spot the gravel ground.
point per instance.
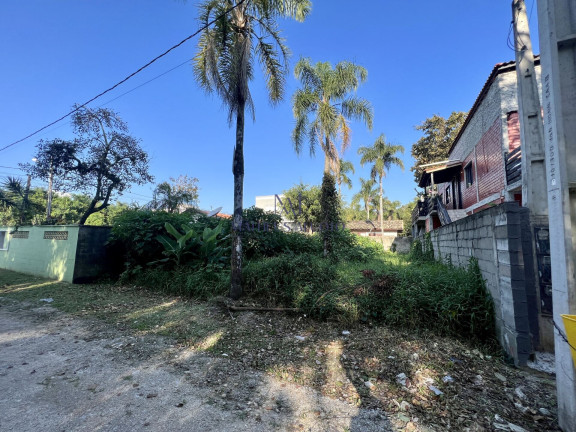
(58, 373)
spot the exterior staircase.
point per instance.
(457, 214)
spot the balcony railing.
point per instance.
(513, 161)
(420, 210)
(431, 206)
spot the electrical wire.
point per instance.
(204, 27)
(147, 82)
(562, 335)
(7, 167)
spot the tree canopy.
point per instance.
(343, 170)
(301, 203)
(439, 134)
(382, 156)
(324, 106)
(101, 161)
(368, 194)
(173, 197)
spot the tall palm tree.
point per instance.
(243, 31)
(323, 108)
(366, 194)
(343, 169)
(382, 156)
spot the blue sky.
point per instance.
(422, 57)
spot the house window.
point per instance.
(469, 174)
(3, 240)
(448, 195)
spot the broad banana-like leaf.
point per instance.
(173, 231)
(169, 245)
(184, 239)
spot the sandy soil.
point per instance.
(59, 373)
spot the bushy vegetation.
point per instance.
(356, 283)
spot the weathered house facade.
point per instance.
(484, 163)
(472, 208)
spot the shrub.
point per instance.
(422, 250)
(201, 283)
(134, 234)
(444, 298)
(200, 249)
(289, 280)
(448, 299)
(350, 247)
(263, 237)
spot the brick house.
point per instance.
(484, 163)
(472, 207)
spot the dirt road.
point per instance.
(59, 373)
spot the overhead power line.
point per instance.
(204, 27)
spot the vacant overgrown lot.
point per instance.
(361, 367)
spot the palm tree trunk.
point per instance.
(238, 171)
(326, 164)
(25, 203)
(381, 213)
(367, 210)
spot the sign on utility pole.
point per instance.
(557, 25)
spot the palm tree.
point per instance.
(382, 156)
(14, 195)
(344, 168)
(323, 108)
(366, 194)
(243, 31)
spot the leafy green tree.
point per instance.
(224, 65)
(367, 193)
(68, 208)
(353, 212)
(302, 204)
(323, 108)
(405, 213)
(439, 134)
(343, 170)
(103, 160)
(382, 156)
(173, 197)
(107, 216)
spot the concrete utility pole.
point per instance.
(534, 193)
(557, 22)
(49, 204)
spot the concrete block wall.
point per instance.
(70, 253)
(498, 238)
(39, 251)
(91, 253)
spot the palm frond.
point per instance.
(358, 109)
(299, 133)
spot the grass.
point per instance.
(128, 307)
